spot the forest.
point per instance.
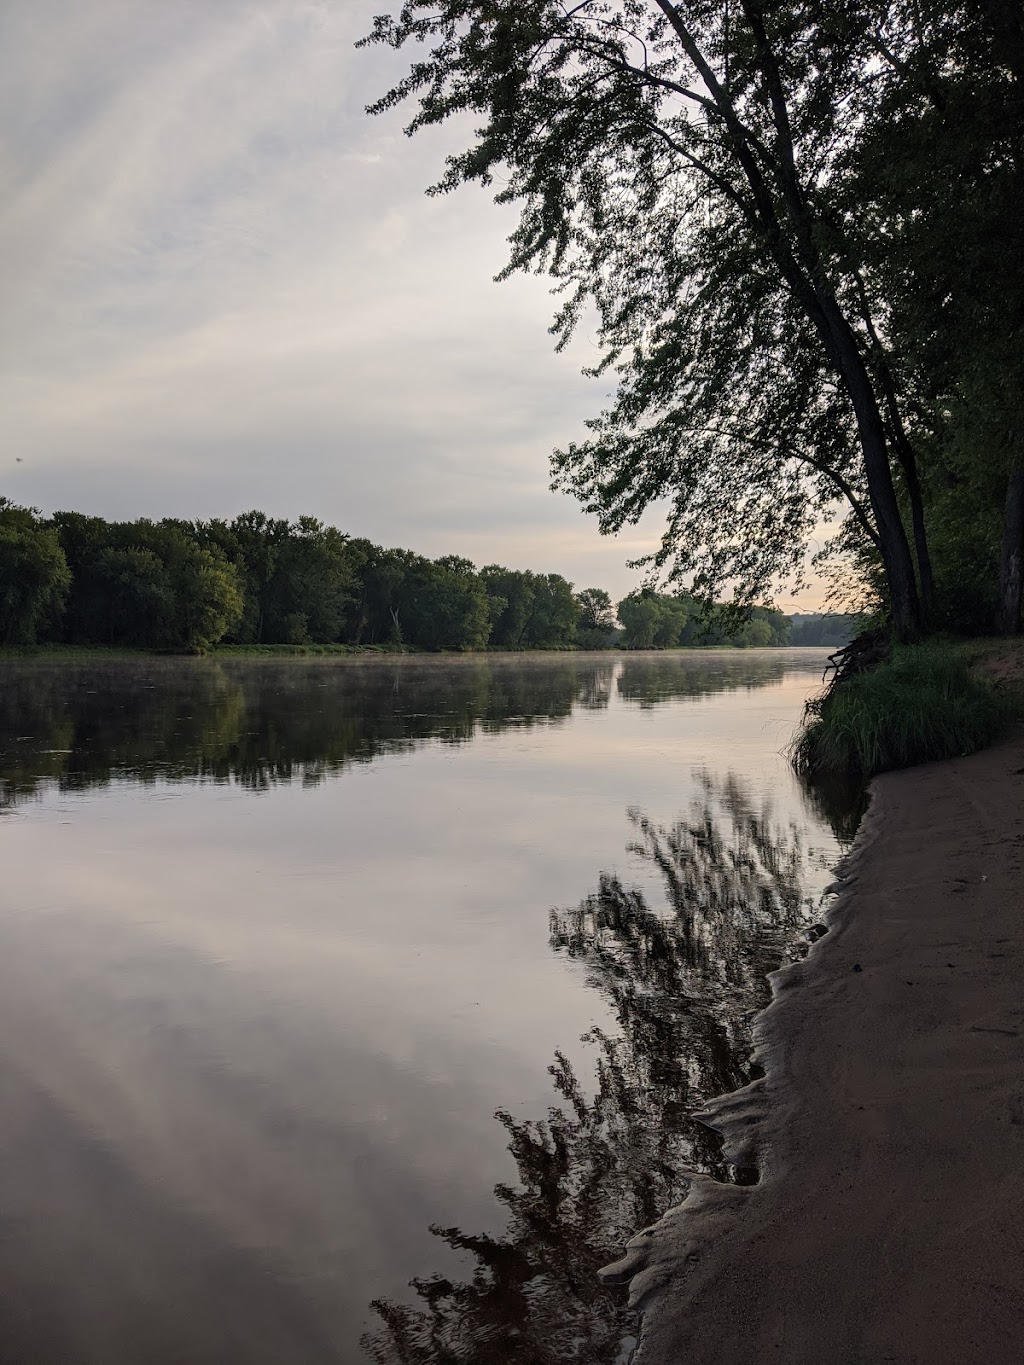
(259, 581)
(793, 235)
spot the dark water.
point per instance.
(321, 978)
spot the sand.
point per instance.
(888, 1223)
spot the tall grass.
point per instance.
(923, 703)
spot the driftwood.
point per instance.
(861, 655)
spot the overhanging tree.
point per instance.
(680, 168)
(936, 200)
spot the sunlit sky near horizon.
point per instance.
(225, 288)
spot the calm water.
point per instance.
(354, 1010)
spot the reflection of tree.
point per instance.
(683, 981)
(82, 724)
(78, 725)
(651, 681)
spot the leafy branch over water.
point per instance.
(683, 981)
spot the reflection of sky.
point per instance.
(280, 1024)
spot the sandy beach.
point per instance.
(888, 1222)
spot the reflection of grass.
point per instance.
(840, 800)
(923, 703)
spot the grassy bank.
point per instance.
(925, 702)
(75, 652)
(56, 651)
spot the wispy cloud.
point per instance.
(224, 287)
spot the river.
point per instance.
(354, 1010)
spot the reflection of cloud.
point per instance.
(224, 286)
(252, 1043)
(216, 1026)
(190, 1121)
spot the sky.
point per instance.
(224, 287)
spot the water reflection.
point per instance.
(837, 801)
(264, 722)
(79, 725)
(684, 978)
(258, 1042)
(651, 679)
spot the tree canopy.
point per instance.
(255, 581)
(721, 183)
(34, 575)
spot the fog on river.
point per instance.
(354, 1010)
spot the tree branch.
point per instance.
(842, 484)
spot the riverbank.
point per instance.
(889, 1127)
(51, 653)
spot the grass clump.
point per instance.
(922, 704)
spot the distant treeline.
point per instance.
(187, 586)
(812, 629)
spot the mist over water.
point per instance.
(355, 1010)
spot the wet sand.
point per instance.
(888, 1223)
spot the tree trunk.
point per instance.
(908, 463)
(1011, 568)
(790, 237)
(899, 566)
(905, 455)
(924, 560)
(892, 537)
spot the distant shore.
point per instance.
(889, 1126)
(72, 652)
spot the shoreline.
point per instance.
(888, 1127)
(57, 653)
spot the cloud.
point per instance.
(226, 287)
